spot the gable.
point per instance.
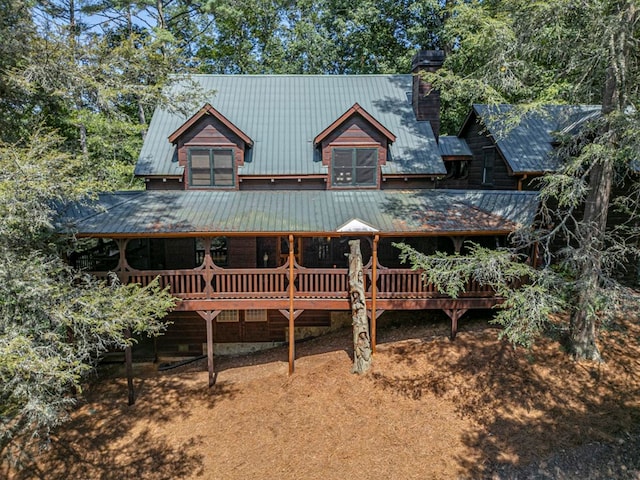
(526, 142)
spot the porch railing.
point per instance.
(331, 283)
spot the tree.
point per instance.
(534, 53)
(54, 322)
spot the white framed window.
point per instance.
(255, 315)
(228, 316)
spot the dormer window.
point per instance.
(354, 167)
(211, 167)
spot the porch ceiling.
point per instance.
(429, 212)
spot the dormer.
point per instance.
(353, 147)
(210, 148)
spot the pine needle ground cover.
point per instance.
(429, 408)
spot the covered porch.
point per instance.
(266, 264)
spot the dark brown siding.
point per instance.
(309, 318)
(242, 252)
(209, 132)
(284, 184)
(354, 132)
(395, 183)
(160, 184)
(184, 337)
(477, 141)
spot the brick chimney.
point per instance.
(426, 100)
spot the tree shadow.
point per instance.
(529, 405)
(84, 447)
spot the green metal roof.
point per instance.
(527, 142)
(284, 113)
(452, 146)
(157, 213)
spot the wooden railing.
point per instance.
(332, 283)
(404, 283)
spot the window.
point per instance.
(211, 167)
(228, 316)
(354, 167)
(255, 316)
(219, 251)
(488, 164)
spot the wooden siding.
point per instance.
(277, 183)
(210, 132)
(477, 142)
(163, 184)
(242, 252)
(402, 183)
(184, 336)
(355, 132)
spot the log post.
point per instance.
(361, 337)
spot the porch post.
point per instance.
(292, 336)
(374, 293)
(209, 322)
(208, 317)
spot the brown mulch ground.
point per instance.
(429, 409)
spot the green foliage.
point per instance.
(54, 322)
(530, 295)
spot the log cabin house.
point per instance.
(250, 202)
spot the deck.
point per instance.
(214, 288)
(291, 289)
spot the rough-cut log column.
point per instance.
(361, 338)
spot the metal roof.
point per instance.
(157, 213)
(526, 141)
(284, 113)
(452, 146)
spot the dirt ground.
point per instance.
(429, 409)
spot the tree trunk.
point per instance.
(582, 327)
(361, 337)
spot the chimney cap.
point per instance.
(428, 58)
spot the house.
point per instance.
(251, 200)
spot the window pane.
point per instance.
(342, 157)
(365, 175)
(366, 157)
(342, 176)
(223, 168)
(200, 168)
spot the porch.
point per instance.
(292, 289)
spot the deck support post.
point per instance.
(454, 314)
(374, 292)
(208, 317)
(292, 333)
(128, 360)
